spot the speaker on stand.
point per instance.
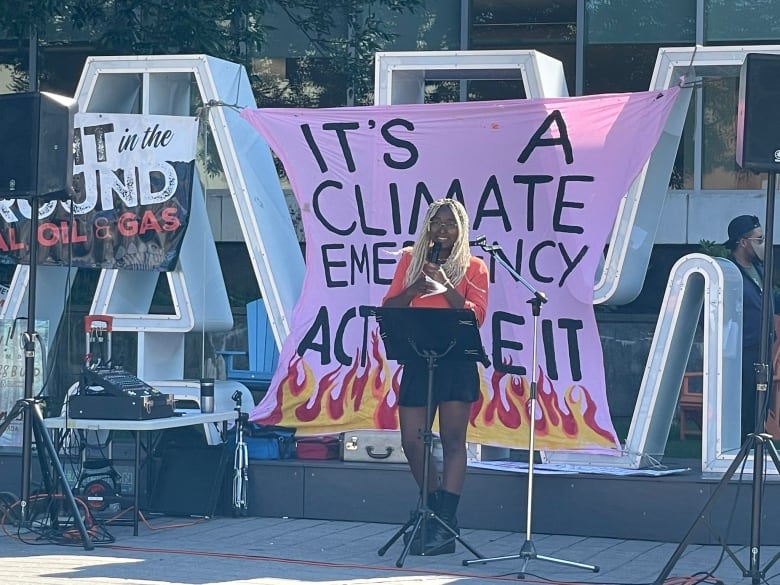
(758, 149)
(758, 124)
(36, 154)
(36, 163)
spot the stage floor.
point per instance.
(583, 504)
(625, 507)
(276, 551)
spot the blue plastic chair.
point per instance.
(262, 352)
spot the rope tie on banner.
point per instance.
(203, 112)
(689, 79)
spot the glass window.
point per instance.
(730, 21)
(683, 170)
(618, 68)
(552, 19)
(441, 91)
(549, 26)
(662, 22)
(498, 89)
(13, 75)
(7, 78)
(238, 273)
(310, 82)
(61, 69)
(720, 96)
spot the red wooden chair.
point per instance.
(690, 404)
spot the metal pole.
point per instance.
(528, 549)
(757, 440)
(32, 57)
(29, 341)
(763, 381)
(29, 359)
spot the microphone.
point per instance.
(481, 241)
(433, 256)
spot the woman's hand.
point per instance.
(432, 280)
(418, 288)
(436, 272)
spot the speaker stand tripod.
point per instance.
(431, 335)
(528, 549)
(30, 409)
(757, 441)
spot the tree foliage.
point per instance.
(344, 32)
(348, 33)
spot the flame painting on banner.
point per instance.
(542, 178)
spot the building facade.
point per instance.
(607, 46)
(604, 45)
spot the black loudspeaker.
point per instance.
(758, 125)
(36, 150)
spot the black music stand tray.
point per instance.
(431, 335)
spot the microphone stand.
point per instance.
(528, 550)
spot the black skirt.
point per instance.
(452, 381)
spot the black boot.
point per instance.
(433, 506)
(441, 541)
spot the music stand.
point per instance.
(431, 335)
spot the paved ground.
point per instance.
(272, 551)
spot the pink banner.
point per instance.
(541, 178)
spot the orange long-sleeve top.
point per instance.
(473, 287)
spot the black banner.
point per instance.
(133, 178)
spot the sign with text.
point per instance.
(542, 179)
(132, 181)
(12, 373)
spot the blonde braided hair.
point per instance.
(457, 264)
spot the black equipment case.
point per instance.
(120, 407)
(112, 393)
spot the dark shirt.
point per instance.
(751, 308)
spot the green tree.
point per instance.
(344, 34)
(347, 33)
